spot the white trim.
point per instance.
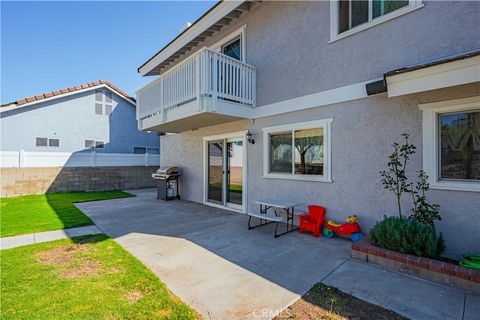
(242, 32)
(327, 161)
(443, 75)
(229, 135)
(238, 135)
(222, 9)
(15, 106)
(341, 94)
(335, 35)
(430, 141)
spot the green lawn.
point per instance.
(89, 277)
(233, 187)
(36, 213)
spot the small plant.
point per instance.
(423, 211)
(395, 179)
(407, 236)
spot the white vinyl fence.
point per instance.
(19, 159)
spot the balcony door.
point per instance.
(225, 171)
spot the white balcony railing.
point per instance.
(205, 74)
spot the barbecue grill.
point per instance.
(167, 183)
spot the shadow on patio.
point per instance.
(203, 253)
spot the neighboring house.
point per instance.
(96, 117)
(325, 89)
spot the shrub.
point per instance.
(423, 211)
(407, 236)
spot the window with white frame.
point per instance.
(233, 45)
(451, 134)
(298, 151)
(94, 144)
(350, 16)
(47, 142)
(103, 102)
(143, 150)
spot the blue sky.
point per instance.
(48, 46)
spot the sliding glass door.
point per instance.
(234, 173)
(215, 171)
(225, 172)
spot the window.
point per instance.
(143, 150)
(98, 108)
(299, 151)
(98, 95)
(41, 142)
(89, 144)
(350, 16)
(451, 144)
(233, 48)
(233, 45)
(94, 144)
(459, 145)
(100, 103)
(139, 150)
(53, 142)
(46, 142)
(153, 150)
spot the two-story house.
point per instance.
(303, 101)
(81, 138)
(96, 116)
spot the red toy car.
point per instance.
(351, 228)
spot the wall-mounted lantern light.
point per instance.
(250, 138)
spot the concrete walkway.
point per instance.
(208, 258)
(31, 238)
(409, 296)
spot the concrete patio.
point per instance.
(208, 258)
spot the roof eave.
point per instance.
(213, 15)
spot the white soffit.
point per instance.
(190, 34)
(439, 76)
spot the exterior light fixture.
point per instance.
(250, 138)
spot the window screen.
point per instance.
(53, 142)
(233, 49)
(98, 108)
(381, 7)
(359, 12)
(99, 144)
(352, 13)
(459, 145)
(108, 109)
(89, 143)
(281, 152)
(41, 142)
(153, 150)
(139, 150)
(98, 95)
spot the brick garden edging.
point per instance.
(430, 269)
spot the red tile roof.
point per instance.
(67, 90)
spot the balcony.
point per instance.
(207, 88)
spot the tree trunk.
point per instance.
(302, 161)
